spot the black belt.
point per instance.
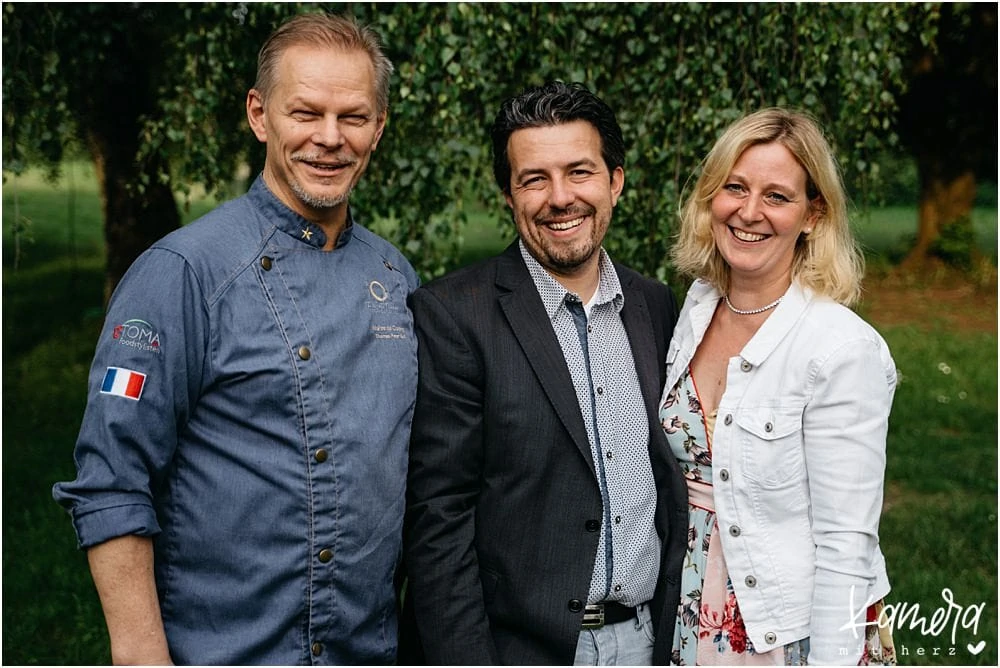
(596, 615)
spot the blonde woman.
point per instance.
(776, 405)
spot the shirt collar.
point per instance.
(278, 214)
(554, 295)
(703, 298)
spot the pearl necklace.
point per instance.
(752, 311)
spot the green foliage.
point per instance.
(676, 74)
(898, 182)
(956, 244)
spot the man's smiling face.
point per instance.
(562, 194)
(321, 124)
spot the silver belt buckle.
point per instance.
(593, 616)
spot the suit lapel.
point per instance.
(641, 338)
(639, 327)
(519, 300)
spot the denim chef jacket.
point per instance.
(267, 449)
(798, 458)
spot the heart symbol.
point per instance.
(976, 649)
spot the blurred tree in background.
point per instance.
(948, 123)
(156, 93)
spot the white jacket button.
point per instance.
(770, 638)
(745, 366)
(750, 581)
(728, 420)
(734, 531)
(724, 475)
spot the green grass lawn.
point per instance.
(939, 526)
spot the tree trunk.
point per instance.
(138, 206)
(948, 121)
(944, 200)
(133, 221)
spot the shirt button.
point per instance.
(325, 555)
(745, 366)
(590, 329)
(321, 455)
(608, 454)
(729, 419)
(592, 526)
(317, 649)
(618, 519)
(750, 581)
(724, 475)
(618, 588)
(770, 638)
(600, 391)
(265, 262)
(305, 353)
(735, 531)
(575, 605)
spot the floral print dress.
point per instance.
(709, 630)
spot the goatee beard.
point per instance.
(319, 202)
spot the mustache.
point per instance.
(342, 159)
(576, 211)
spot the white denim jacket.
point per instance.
(798, 459)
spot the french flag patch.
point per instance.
(123, 383)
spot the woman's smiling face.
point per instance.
(759, 213)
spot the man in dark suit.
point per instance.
(546, 519)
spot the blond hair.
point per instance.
(828, 259)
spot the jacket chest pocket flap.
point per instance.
(771, 442)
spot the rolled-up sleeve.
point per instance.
(148, 367)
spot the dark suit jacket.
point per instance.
(499, 535)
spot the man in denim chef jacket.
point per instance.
(242, 459)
